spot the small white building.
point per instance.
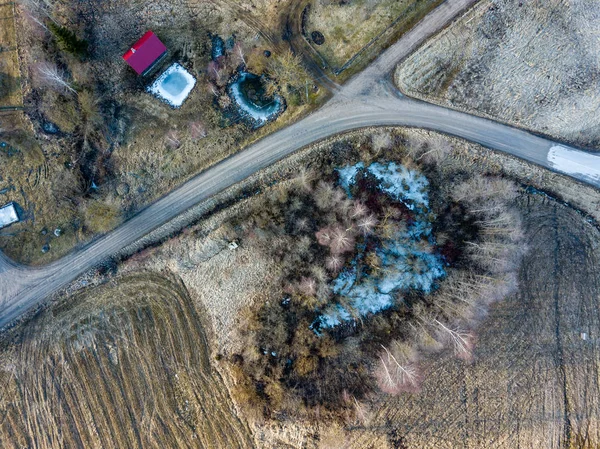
(8, 215)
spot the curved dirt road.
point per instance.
(367, 100)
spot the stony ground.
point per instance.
(532, 64)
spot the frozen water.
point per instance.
(8, 215)
(260, 114)
(174, 85)
(348, 176)
(576, 163)
(408, 259)
(401, 183)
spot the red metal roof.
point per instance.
(144, 52)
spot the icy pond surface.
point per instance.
(247, 91)
(408, 259)
(174, 85)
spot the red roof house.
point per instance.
(145, 53)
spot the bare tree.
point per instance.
(172, 139)
(239, 53)
(51, 75)
(42, 7)
(334, 263)
(308, 286)
(460, 340)
(305, 179)
(394, 377)
(358, 210)
(381, 140)
(367, 224)
(342, 240)
(198, 130)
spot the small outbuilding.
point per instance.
(8, 215)
(145, 54)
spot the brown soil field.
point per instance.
(121, 365)
(531, 64)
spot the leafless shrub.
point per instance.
(172, 139)
(52, 76)
(395, 373)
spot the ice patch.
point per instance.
(408, 260)
(260, 114)
(401, 183)
(8, 215)
(576, 163)
(173, 86)
(344, 282)
(348, 176)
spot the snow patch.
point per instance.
(348, 176)
(402, 184)
(260, 114)
(408, 259)
(575, 163)
(8, 215)
(173, 86)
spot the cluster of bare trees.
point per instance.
(287, 73)
(313, 229)
(492, 260)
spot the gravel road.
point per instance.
(368, 99)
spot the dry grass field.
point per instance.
(116, 148)
(115, 364)
(38, 181)
(10, 75)
(534, 379)
(350, 26)
(533, 64)
(121, 365)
